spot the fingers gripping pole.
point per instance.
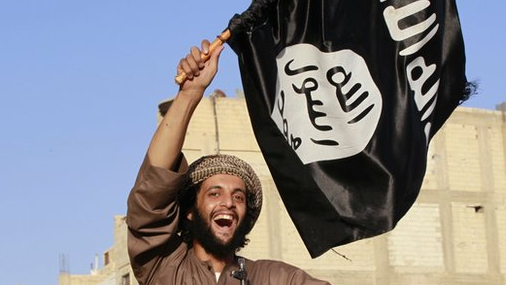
(181, 77)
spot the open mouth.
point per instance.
(224, 220)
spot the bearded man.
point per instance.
(186, 223)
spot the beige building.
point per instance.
(454, 234)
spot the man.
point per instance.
(187, 223)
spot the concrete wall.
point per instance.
(454, 234)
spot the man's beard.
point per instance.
(201, 231)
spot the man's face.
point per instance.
(221, 207)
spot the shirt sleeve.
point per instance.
(153, 217)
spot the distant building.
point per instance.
(454, 234)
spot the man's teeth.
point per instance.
(223, 217)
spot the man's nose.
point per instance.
(227, 200)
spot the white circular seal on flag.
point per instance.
(327, 105)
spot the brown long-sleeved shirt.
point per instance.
(159, 256)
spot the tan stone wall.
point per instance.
(454, 234)
(67, 279)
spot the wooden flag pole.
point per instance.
(181, 77)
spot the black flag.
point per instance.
(344, 97)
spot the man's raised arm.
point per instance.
(153, 216)
(167, 142)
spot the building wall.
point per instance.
(453, 234)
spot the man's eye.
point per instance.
(239, 198)
(214, 194)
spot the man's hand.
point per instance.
(199, 73)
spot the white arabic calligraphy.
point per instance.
(327, 104)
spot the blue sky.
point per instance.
(79, 86)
